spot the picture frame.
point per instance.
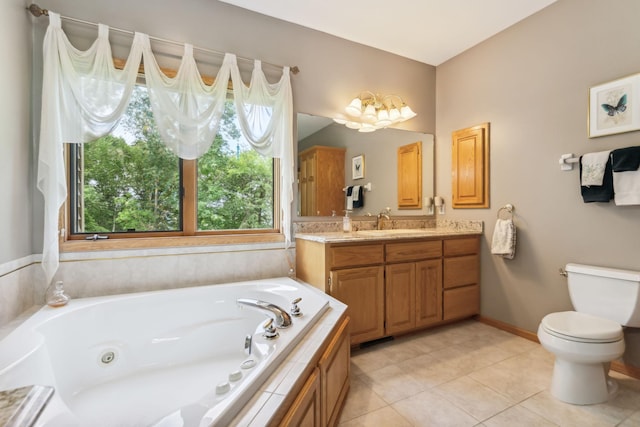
(357, 167)
(614, 107)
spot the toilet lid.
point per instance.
(582, 327)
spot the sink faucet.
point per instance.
(281, 318)
(383, 214)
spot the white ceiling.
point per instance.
(429, 31)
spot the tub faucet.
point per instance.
(281, 317)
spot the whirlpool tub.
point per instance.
(165, 358)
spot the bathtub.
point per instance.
(163, 358)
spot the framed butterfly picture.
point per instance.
(614, 107)
(357, 167)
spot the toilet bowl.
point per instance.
(584, 346)
(587, 340)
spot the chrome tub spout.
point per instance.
(281, 317)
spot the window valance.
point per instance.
(84, 96)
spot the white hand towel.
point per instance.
(626, 186)
(349, 198)
(504, 239)
(356, 193)
(593, 165)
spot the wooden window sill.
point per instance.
(167, 242)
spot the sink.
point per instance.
(395, 232)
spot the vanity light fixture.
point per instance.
(369, 112)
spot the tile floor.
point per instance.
(469, 374)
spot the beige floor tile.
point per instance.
(567, 415)
(401, 350)
(386, 416)
(392, 383)
(632, 421)
(516, 387)
(428, 371)
(430, 409)
(517, 344)
(360, 401)
(470, 374)
(518, 416)
(368, 360)
(474, 398)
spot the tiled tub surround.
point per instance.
(268, 399)
(90, 274)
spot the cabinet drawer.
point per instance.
(465, 246)
(411, 251)
(353, 256)
(460, 271)
(461, 302)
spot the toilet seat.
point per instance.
(581, 327)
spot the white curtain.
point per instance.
(84, 96)
(265, 113)
(187, 111)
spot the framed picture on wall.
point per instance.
(614, 107)
(357, 167)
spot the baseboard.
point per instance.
(508, 328)
(617, 366)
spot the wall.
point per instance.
(332, 72)
(531, 83)
(15, 149)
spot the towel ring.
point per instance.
(509, 208)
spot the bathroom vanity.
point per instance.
(394, 281)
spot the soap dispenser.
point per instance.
(55, 295)
(346, 222)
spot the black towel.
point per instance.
(360, 202)
(598, 193)
(625, 159)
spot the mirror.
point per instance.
(379, 161)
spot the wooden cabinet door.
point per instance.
(400, 297)
(470, 167)
(334, 374)
(330, 181)
(306, 409)
(362, 289)
(307, 184)
(410, 176)
(428, 292)
(461, 271)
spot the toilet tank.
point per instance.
(605, 292)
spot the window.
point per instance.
(128, 184)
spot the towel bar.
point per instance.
(566, 161)
(366, 187)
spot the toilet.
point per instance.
(586, 340)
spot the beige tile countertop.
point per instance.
(368, 235)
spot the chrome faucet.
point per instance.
(281, 317)
(383, 214)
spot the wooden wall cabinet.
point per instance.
(410, 176)
(321, 181)
(470, 167)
